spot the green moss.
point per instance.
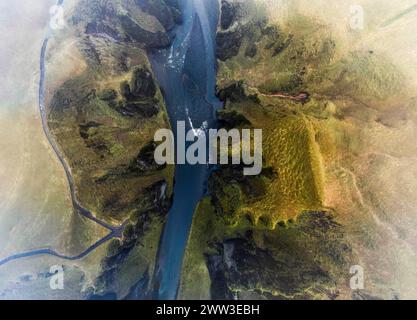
(284, 82)
(310, 253)
(100, 142)
(140, 263)
(284, 222)
(195, 280)
(108, 95)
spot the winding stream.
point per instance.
(115, 231)
(186, 73)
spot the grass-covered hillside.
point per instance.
(325, 106)
(104, 118)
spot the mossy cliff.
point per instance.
(104, 121)
(280, 235)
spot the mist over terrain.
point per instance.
(332, 84)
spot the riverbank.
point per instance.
(192, 58)
(327, 198)
(64, 61)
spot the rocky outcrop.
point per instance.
(228, 44)
(142, 109)
(232, 119)
(228, 14)
(153, 208)
(166, 11)
(235, 27)
(244, 268)
(138, 95)
(143, 84)
(145, 161)
(151, 40)
(106, 19)
(236, 92)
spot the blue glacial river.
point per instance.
(186, 73)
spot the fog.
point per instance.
(32, 184)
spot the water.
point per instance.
(186, 73)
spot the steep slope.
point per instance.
(104, 116)
(325, 107)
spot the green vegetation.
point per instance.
(298, 260)
(104, 121)
(275, 236)
(100, 141)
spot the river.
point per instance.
(186, 73)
